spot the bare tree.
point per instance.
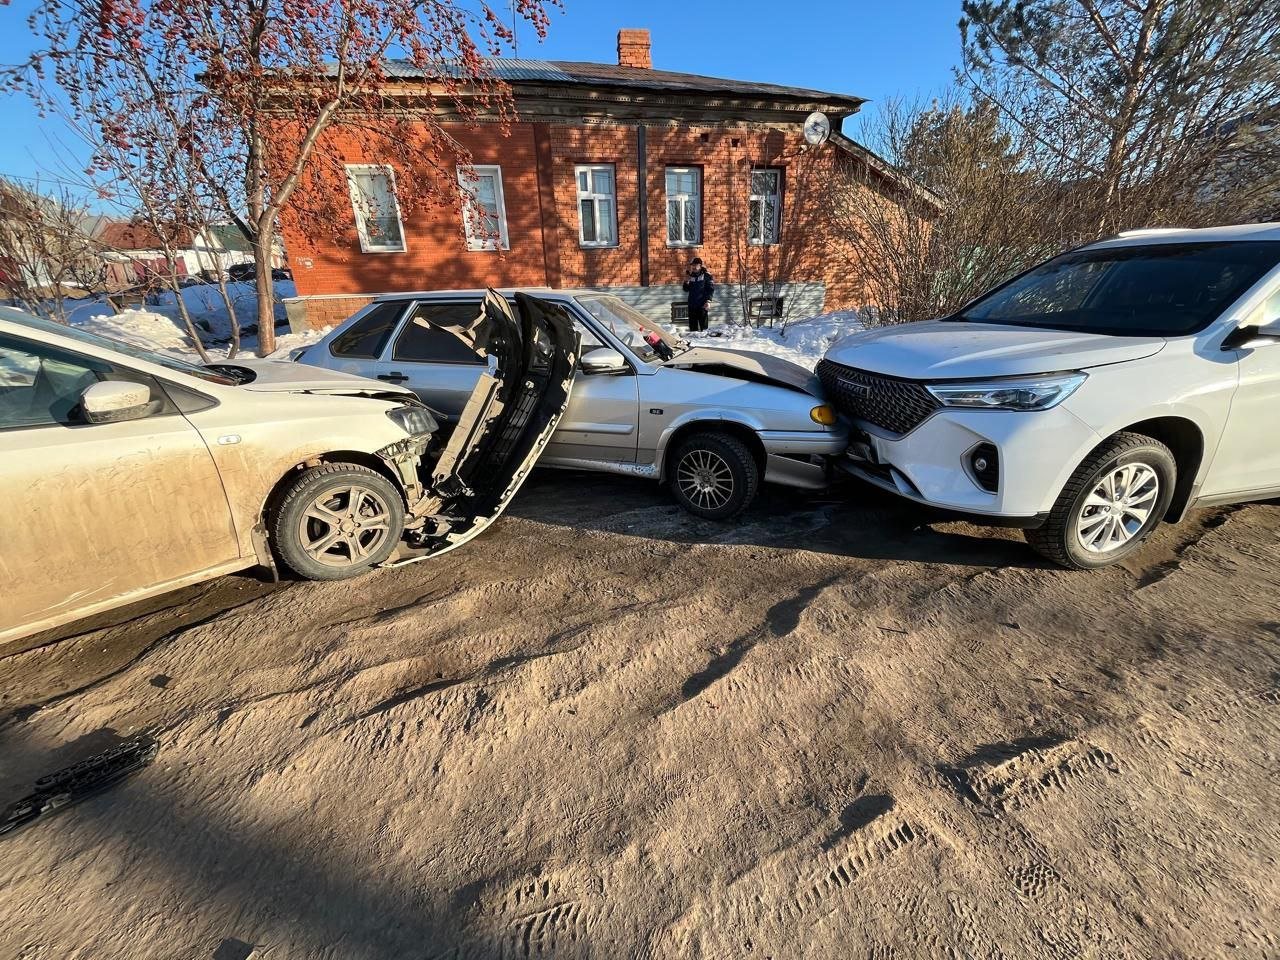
(962, 208)
(46, 254)
(257, 93)
(1139, 104)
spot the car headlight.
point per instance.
(413, 420)
(1009, 393)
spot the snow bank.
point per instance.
(801, 341)
(159, 326)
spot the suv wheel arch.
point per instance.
(1185, 441)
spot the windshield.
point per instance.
(630, 326)
(1161, 290)
(166, 360)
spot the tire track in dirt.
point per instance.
(1000, 780)
(779, 620)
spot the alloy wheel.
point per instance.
(705, 478)
(344, 527)
(1118, 507)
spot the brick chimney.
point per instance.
(633, 49)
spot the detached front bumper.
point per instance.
(802, 458)
(1037, 451)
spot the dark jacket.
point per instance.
(700, 290)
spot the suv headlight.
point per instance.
(1009, 393)
(413, 420)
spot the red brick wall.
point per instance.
(436, 255)
(437, 258)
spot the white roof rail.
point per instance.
(1145, 231)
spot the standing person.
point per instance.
(700, 290)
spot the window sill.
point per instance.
(364, 249)
(597, 246)
(488, 248)
(683, 246)
(763, 243)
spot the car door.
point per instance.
(440, 366)
(601, 420)
(1247, 462)
(95, 512)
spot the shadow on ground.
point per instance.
(193, 847)
(850, 519)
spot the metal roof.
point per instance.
(573, 73)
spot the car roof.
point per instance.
(480, 292)
(1150, 235)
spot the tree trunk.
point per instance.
(266, 295)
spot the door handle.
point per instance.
(393, 377)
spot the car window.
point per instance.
(41, 384)
(367, 336)
(425, 338)
(589, 340)
(1142, 290)
(633, 328)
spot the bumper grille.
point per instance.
(896, 405)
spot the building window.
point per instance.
(684, 206)
(765, 206)
(597, 206)
(373, 200)
(484, 210)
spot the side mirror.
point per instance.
(1252, 335)
(110, 401)
(603, 360)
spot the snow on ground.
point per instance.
(801, 341)
(158, 325)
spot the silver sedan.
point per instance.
(713, 423)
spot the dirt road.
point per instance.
(606, 729)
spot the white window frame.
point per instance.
(684, 199)
(771, 237)
(608, 200)
(467, 174)
(372, 244)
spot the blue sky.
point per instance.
(875, 50)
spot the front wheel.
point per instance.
(1110, 505)
(714, 475)
(336, 521)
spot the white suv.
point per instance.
(1086, 400)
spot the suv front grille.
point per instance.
(896, 405)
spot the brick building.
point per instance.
(613, 177)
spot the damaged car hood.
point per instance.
(260, 375)
(748, 365)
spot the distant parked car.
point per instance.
(127, 473)
(1086, 400)
(712, 422)
(247, 273)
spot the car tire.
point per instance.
(1108, 506)
(714, 475)
(336, 521)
